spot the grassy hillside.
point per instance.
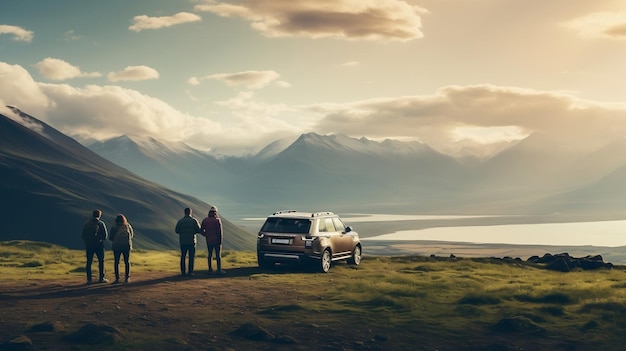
(386, 303)
(51, 183)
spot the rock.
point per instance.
(19, 343)
(254, 332)
(94, 334)
(517, 324)
(563, 262)
(46, 327)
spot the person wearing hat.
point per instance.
(211, 228)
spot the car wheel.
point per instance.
(325, 261)
(356, 256)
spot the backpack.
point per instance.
(122, 237)
(90, 233)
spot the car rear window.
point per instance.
(286, 225)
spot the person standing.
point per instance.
(187, 228)
(122, 238)
(211, 229)
(94, 235)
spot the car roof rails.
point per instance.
(317, 214)
(284, 211)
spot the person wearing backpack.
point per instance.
(122, 238)
(94, 235)
(211, 229)
(187, 228)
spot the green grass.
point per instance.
(437, 297)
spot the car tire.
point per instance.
(325, 261)
(355, 259)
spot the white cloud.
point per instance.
(18, 89)
(248, 79)
(193, 81)
(343, 19)
(105, 111)
(283, 84)
(482, 114)
(610, 25)
(350, 64)
(57, 69)
(134, 73)
(19, 34)
(70, 35)
(99, 112)
(145, 22)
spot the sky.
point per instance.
(232, 76)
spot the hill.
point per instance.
(51, 183)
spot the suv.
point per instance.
(320, 238)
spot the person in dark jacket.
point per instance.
(211, 229)
(187, 228)
(94, 235)
(122, 237)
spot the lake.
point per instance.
(600, 233)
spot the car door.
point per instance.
(342, 240)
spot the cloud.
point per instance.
(20, 90)
(57, 69)
(70, 35)
(610, 25)
(450, 118)
(283, 84)
(248, 79)
(350, 64)
(381, 20)
(478, 114)
(19, 34)
(105, 111)
(145, 22)
(99, 112)
(134, 73)
(193, 81)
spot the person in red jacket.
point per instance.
(211, 228)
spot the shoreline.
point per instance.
(615, 255)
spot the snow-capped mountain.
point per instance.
(322, 171)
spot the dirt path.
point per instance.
(174, 312)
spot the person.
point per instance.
(94, 235)
(187, 228)
(122, 237)
(211, 229)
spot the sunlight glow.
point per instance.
(488, 135)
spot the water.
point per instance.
(602, 233)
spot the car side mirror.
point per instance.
(348, 229)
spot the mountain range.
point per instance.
(533, 176)
(51, 183)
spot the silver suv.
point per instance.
(320, 238)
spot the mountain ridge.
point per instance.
(532, 175)
(52, 183)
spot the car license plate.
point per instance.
(281, 241)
